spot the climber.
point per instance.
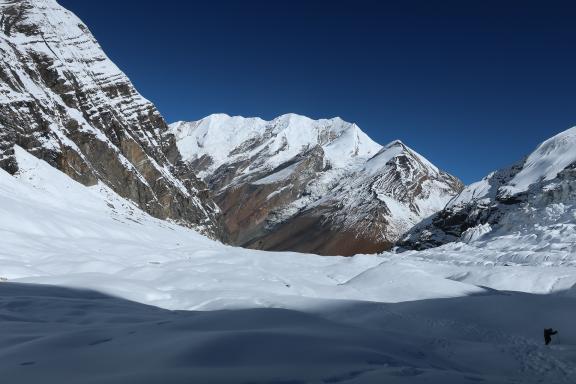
(548, 332)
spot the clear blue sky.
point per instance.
(471, 85)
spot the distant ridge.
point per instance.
(320, 186)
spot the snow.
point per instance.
(265, 345)
(433, 201)
(458, 313)
(227, 139)
(170, 305)
(475, 233)
(477, 191)
(537, 228)
(551, 157)
(64, 335)
(65, 40)
(544, 164)
(525, 213)
(379, 161)
(389, 152)
(357, 179)
(282, 174)
(60, 40)
(400, 212)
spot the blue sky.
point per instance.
(471, 85)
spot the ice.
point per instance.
(475, 233)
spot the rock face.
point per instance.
(320, 186)
(533, 201)
(65, 102)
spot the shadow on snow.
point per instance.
(51, 334)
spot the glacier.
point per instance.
(451, 314)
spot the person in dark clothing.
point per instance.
(548, 332)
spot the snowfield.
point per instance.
(113, 295)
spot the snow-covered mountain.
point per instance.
(240, 315)
(320, 186)
(94, 289)
(533, 202)
(64, 101)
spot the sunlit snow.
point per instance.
(448, 315)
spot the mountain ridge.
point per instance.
(63, 100)
(533, 199)
(324, 186)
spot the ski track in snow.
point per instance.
(455, 314)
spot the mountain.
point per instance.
(320, 186)
(532, 203)
(65, 102)
(84, 275)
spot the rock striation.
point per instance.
(320, 186)
(63, 100)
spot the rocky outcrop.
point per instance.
(311, 186)
(64, 101)
(532, 200)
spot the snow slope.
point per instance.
(528, 206)
(55, 230)
(448, 315)
(545, 163)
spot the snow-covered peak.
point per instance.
(226, 139)
(293, 171)
(394, 149)
(63, 36)
(387, 153)
(394, 143)
(550, 158)
(531, 202)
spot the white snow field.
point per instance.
(96, 291)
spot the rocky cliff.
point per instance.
(64, 101)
